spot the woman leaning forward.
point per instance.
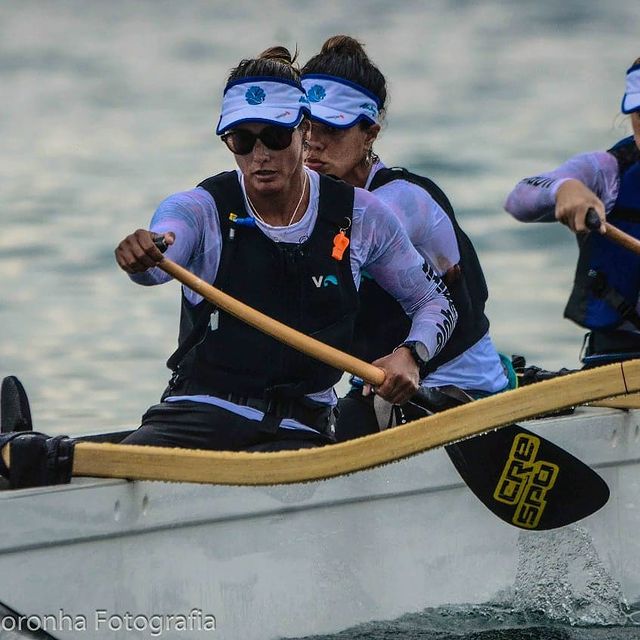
(606, 292)
(348, 95)
(291, 244)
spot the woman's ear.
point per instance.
(305, 128)
(372, 133)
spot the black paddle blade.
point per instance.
(15, 414)
(526, 480)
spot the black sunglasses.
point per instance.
(241, 141)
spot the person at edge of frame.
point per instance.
(606, 292)
(293, 245)
(348, 95)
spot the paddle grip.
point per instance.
(160, 242)
(592, 220)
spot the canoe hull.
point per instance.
(295, 560)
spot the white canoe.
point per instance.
(99, 557)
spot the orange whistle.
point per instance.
(340, 243)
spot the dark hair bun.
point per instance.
(279, 54)
(343, 45)
(275, 61)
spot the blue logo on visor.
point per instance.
(255, 95)
(316, 93)
(371, 108)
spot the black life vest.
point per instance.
(607, 279)
(300, 285)
(382, 323)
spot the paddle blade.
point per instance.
(526, 480)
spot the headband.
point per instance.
(339, 103)
(262, 99)
(631, 98)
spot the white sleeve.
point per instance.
(381, 246)
(533, 199)
(428, 226)
(193, 218)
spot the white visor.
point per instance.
(339, 103)
(262, 99)
(631, 98)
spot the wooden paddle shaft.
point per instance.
(622, 238)
(309, 346)
(613, 233)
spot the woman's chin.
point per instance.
(267, 184)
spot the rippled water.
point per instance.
(562, 591)
(109, 106)
(491, 622)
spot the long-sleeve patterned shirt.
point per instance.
(378, 243)
(534, 199)
(431, 233)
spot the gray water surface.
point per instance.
(107, 107)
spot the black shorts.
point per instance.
(198, 425)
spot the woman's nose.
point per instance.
(260, 150)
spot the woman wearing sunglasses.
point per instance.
(291, 244)
(606, 289)
(347, 95)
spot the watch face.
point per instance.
(418, 351)
(421, 351)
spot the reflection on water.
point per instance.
(108, 107)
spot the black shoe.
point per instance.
(15, 414)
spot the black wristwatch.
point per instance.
(419, 352)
